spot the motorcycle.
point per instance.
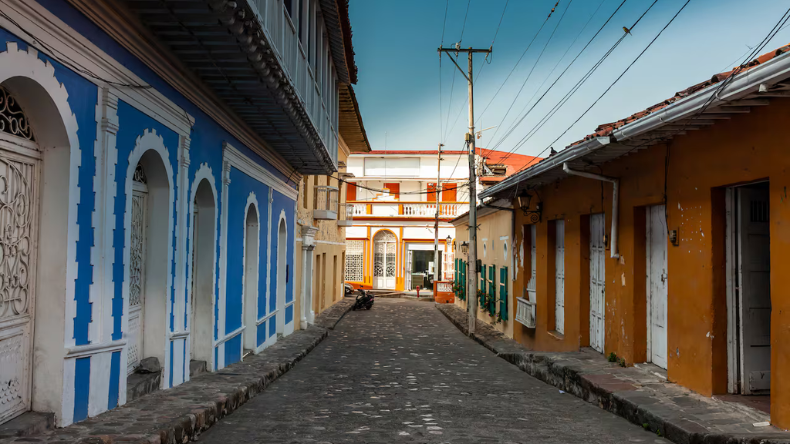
(364, 300)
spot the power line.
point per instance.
(534, 65)
(581, 31)
(572, 91)
(519, 60)
(627, 68)
(465, 17)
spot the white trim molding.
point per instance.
(256, 171)
(61, 38)
(148, 141)
(203, 173)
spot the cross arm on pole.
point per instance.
(450, 50)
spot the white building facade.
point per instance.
(390, 244)
(149, 186)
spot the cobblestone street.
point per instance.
(403, 373)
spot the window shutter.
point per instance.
(492, 290)
(482, 287)
(503, 296)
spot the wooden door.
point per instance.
(657, 285)
(394, 190)
(597, 282)
(431, 193)
(755, 284)
(559, 277)
(449, 192)
(19, 199)
(533, 265)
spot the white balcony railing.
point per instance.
(321, 105)
(325, 203)
(346, 215)
(410, 209)
(525, 312)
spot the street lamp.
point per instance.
(464, 247)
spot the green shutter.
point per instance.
(463, 280)
(482, 286)
(503, 296)
(492, 290)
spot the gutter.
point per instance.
(744, 84)
(557, 160)
(615, 201)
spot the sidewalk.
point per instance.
(180, 414)
(640, 394)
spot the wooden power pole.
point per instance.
(436, 276)
(471, 279)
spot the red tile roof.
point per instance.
(513, 162)
(607, 129)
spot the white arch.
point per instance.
(252, 201)
(148, 141)
(281, 304)
(203, 173)
(51, 391)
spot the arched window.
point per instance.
(251, 233)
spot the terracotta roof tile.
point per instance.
(607, 129)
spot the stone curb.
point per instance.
(561, 374)
(182, 413)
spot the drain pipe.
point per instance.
(615, 201)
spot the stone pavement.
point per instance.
(400, 373)
(180, 414)
(640, 394)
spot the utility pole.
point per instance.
(436, 276)
(471, 279)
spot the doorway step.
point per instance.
(147, 378)
(640, 394)
(27, 424)
(197, 367)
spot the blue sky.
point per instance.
(399, 69)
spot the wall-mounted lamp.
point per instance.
(448, 243)
(524, 202)
(464, 247)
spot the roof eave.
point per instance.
(547, 164)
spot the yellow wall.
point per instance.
(330, 243)
(492, 227)
(747, 148)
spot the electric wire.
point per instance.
(528, 164)
(534, 65)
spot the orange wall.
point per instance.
(747, 148)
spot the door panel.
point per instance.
(449, 192)
(657, 283)
(755, 284)
(597, 282)
(559, 269)
(19, 200)
(137, 277)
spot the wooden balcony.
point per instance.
(408, 210)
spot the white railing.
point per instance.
(325, 203)
(409, 209)
(525, 312)
(282, 32)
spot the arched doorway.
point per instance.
(203, 252)
(148, 241)
(251, 246)
(384, 259)
(19, 218)
(282, 251)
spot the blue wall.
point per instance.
(241, 185)
(207, 138)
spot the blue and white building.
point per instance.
(150, 153)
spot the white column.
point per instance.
(180, 323)
(223, 263)
(308, 245)
(103, 220)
